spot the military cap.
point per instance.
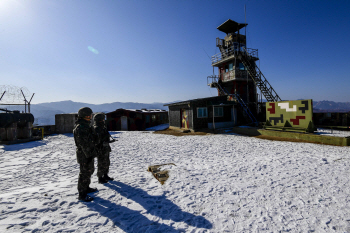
(85, 111)
(99, 116)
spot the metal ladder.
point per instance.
(258, 77)
(237, 97)
(246, 109)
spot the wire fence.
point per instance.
(13, 95)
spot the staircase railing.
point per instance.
(258, 77)
(246, 109)
(215, 83)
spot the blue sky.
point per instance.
(157, 51)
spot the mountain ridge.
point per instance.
(330, 106)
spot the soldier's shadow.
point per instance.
(126, 219)
(114, 133)
(159, 206)
(24, 145)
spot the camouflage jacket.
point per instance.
(103, 136)
(85, 140)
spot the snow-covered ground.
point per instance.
(330, 132)
(158, 127)
(221, 183)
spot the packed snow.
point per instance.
(331, 132)
(219, 183)
(158, 127)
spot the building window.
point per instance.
(230, 66)
(153, 118)
(241, 66)
(218, 111)
(147, 119)
(202, 112)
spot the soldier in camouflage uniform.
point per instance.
(86, 151)
(103, 141)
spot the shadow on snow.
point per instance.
(24, 145)
(126, 219)
(159, 206)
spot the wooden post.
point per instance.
(213, 118)
(5, 91)
(25, 102)
(29, 102)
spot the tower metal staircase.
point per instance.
(222, 91)
(258, 77)
(246, 109)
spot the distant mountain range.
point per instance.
(330, 106)
(44, 113)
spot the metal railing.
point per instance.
(214, 79)
(237, 75)
(258, 77)
(233, 51)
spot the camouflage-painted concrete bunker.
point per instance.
(291, 115)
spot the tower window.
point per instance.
(230, 66)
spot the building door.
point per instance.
(184, 118)
(124, 123)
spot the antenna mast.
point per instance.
(245, 28)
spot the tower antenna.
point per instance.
(245, 28)
(209, 58)
(246, 47)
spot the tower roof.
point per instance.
(231, 26)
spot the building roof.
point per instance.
(73, 113)
(230, 26)
(143, 110)
(212, 99)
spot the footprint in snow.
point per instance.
(45, 223)
(62, 203)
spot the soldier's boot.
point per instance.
(91, 190)
(85, 198)
(102, 180)
(107, 177)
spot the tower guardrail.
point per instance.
(233, 51)
(258, 77)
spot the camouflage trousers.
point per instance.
(86, 171)
(103, 163)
